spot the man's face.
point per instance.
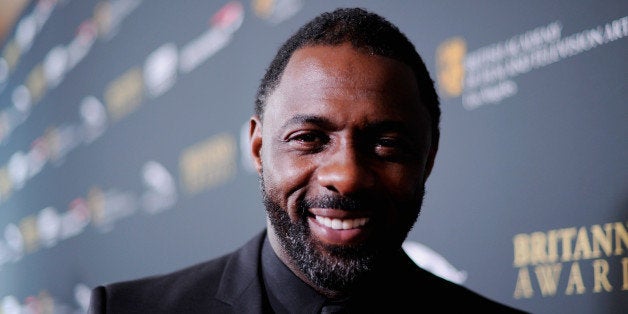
(343, 152)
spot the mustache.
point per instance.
(348, 203)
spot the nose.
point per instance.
(345, 171)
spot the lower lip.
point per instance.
(337, 237)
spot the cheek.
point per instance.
(286, 176)
(401, 182)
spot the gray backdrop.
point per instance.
(121, 142)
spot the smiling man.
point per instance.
(344, 136)
(343, 148)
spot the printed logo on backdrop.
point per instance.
(276, 11)
(487, 75)
(102, 208)
(571, 261)
(203, 165)
(122, 96)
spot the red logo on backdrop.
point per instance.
(228, 15)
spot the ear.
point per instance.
(431, 156)
(255, 142)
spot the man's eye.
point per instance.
(392, 148)
(308, 140)
(388, 142)
(307, 137)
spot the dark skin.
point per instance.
(343, 123)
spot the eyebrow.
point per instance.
(376, 126)
(384, 126)
(302, 119)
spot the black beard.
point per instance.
(338, 267)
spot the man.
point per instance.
(344, 137)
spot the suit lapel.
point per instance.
(241, 285)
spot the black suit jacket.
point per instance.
(232, 284)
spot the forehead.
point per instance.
(344, 65)
(345, 83)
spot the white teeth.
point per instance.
(341, 224)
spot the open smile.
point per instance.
(336, 227)
(342, 224)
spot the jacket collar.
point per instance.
(241, 285)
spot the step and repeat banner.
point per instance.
(123, 144)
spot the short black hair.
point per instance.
(366, 31)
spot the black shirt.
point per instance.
(286, 292)
(400, 286)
